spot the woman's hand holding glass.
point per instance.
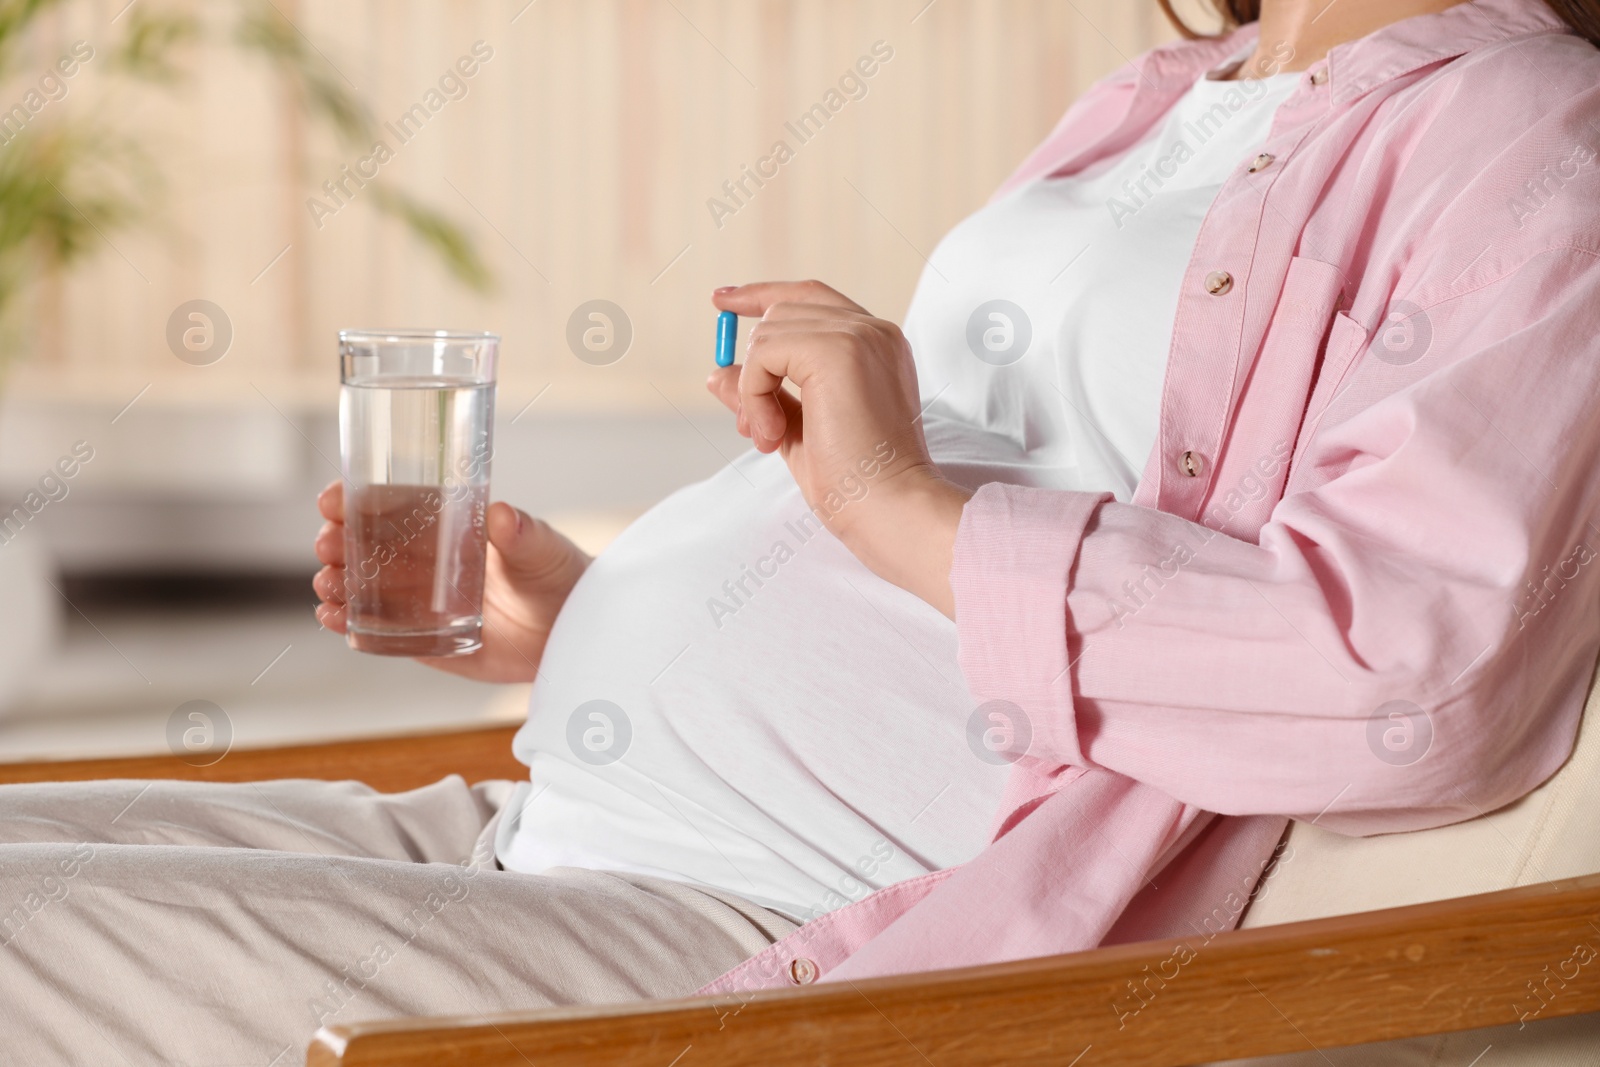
(859, 411)
(530, 570)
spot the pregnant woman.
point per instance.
(1236, 463)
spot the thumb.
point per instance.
(530, 550)
(724, 385)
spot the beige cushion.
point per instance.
(1553, 832)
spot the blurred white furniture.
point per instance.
(30, 611)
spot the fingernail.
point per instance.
(725, 289)
(521, 522)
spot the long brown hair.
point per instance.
(1582, 15)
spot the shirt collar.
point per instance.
(1174, 67)
(1356, 67)
(1411, 44)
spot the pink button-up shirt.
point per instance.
(1355, 585)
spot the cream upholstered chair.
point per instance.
(1353, 940)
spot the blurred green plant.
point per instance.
(57, 197)
(67, 182)
(322, 93)
(146, 48)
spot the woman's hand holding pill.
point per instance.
(529, 572)
(856, 422)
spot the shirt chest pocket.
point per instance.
(1346, 339)
(1273, 396)
(1293, 353)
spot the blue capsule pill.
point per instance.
(727, 337)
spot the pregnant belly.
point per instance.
(730, 698)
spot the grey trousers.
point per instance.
(210, 924)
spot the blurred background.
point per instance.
(536, 156)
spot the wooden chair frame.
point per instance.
(1455, 964)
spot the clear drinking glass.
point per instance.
(416, 419)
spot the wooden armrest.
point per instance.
(1450, 965)
(388, 764)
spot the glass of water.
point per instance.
(416, 421)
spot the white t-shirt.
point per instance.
(730, 698)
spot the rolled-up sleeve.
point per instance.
(1014, 550)
(1407, 642)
